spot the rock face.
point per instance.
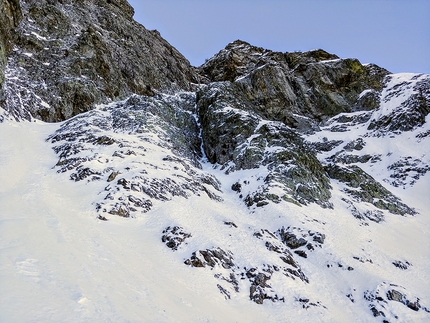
(157, 161)
(249, 141)
(70, 55)
(293, 87)
(412, 106)
(10, 16)
(363, 188)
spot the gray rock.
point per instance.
(280, 86)
(410, 114)
(364, 188)
(145, 121)
(211, 258)
(246, 138)
(10, 16)
(295, 238)
(70, 56)
(407, 171)
(402, 265)
(173, 237)
(381, 298)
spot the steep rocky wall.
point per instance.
(10, 15)
(70, 55)
(289, 86)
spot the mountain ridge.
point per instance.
(295, 181)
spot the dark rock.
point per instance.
(224, 113)
(385, 293)
(83, 173)
(301, 253)
(407, 171)
(257, 292)
(231, 224)
(325, 145)
(262, 203)
(411, 113)
(173, 237)
(291, 240)
(394, 295)
(402, 265)
(120, 210)
(211, 258)
(10, 16)
(363, 187)
(367, 100)
(376, 313)
(163, 120)
(104, 140)
(224, 291)
(291, 267)
(112, 176)
(319, 237)
(281, 86)
(306, 303)
(355, 145)
(124, 183)
(344, 158)
(310, 239)
(414, 305)
(237, 187)
(423, 135)
(69, 56)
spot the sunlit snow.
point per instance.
(59, 263)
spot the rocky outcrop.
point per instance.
(363, 188)
(143, 127)
(145, 149)
(293, 87)
(248, 141)
(69, 56)
(382, 301)
(259, 103)
(229, 272)
(405, 106)
(10, 16)
(173, 237)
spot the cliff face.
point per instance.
(10, 16)
(69, 56)
(296, 88)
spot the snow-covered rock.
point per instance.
(283, 185)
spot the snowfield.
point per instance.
(60, 263)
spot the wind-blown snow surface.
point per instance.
(59, 263)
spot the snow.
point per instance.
(365, 92)
(59, 263)
(38, 36)
(327, 61)
(397, 90)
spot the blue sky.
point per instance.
(394, 34)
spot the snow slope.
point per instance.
(60, 263)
